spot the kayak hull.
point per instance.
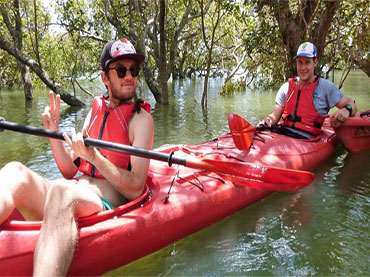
(354, 134)
(176, 203)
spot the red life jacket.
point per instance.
(110, 125)
(299, 110)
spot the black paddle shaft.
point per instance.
(116, 147)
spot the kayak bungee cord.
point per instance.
(194, 175)
(177, 175)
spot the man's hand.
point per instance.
(51, 114)
(77, 144)
(267, 121)
(339, 117)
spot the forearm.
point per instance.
(274, 117)
(128, 183)
(63, 159)
(341, 105)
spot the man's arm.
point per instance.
(274, 116)
(129, 183)
(61, 154)
(342, 114)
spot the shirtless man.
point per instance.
(108, 179)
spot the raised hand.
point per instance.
(51, 113)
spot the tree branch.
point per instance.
(69, 99)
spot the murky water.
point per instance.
(320, 230)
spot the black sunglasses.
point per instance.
(121, 71)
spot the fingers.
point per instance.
(267, 121)
(75, 141)
(78, 147)
(76, 138)
(67, 139)
(57, 104)
(84, 133)
(338, 118)
(263, 123)
(336, 121)
(51, 100)
(46, 110)
(72, 140)
(54, 105)
(46, 117)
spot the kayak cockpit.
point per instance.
(17, 222)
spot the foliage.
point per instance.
(249, 44)
(346, 43)
(9, 76)
(349, 41)
(234, 86)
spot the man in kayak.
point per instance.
(304, 101)
(108, 179)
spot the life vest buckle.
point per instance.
(294, 118)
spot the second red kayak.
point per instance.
(354, 134)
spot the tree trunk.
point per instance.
(136, 12)
(153, 85)
(210, 46)
(205, 86)
(27, 82)
(16, 33)
(180, 70)
(65, 96)
(18, 39)
(364, 65)
(296, 30)
(175, 40)
(162, 52)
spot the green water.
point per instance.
(320, 230)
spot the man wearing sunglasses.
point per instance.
(108, 179)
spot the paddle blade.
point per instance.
(256, 176)
(241, 131)
(264, 177)
(263, 185)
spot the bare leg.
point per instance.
(59, 233)
(24, 189)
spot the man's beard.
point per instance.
(122, 95)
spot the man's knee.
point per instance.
(15, 168)
(59, 197)
(16, 176)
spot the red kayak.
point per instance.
(178, 201)
(354, 134)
